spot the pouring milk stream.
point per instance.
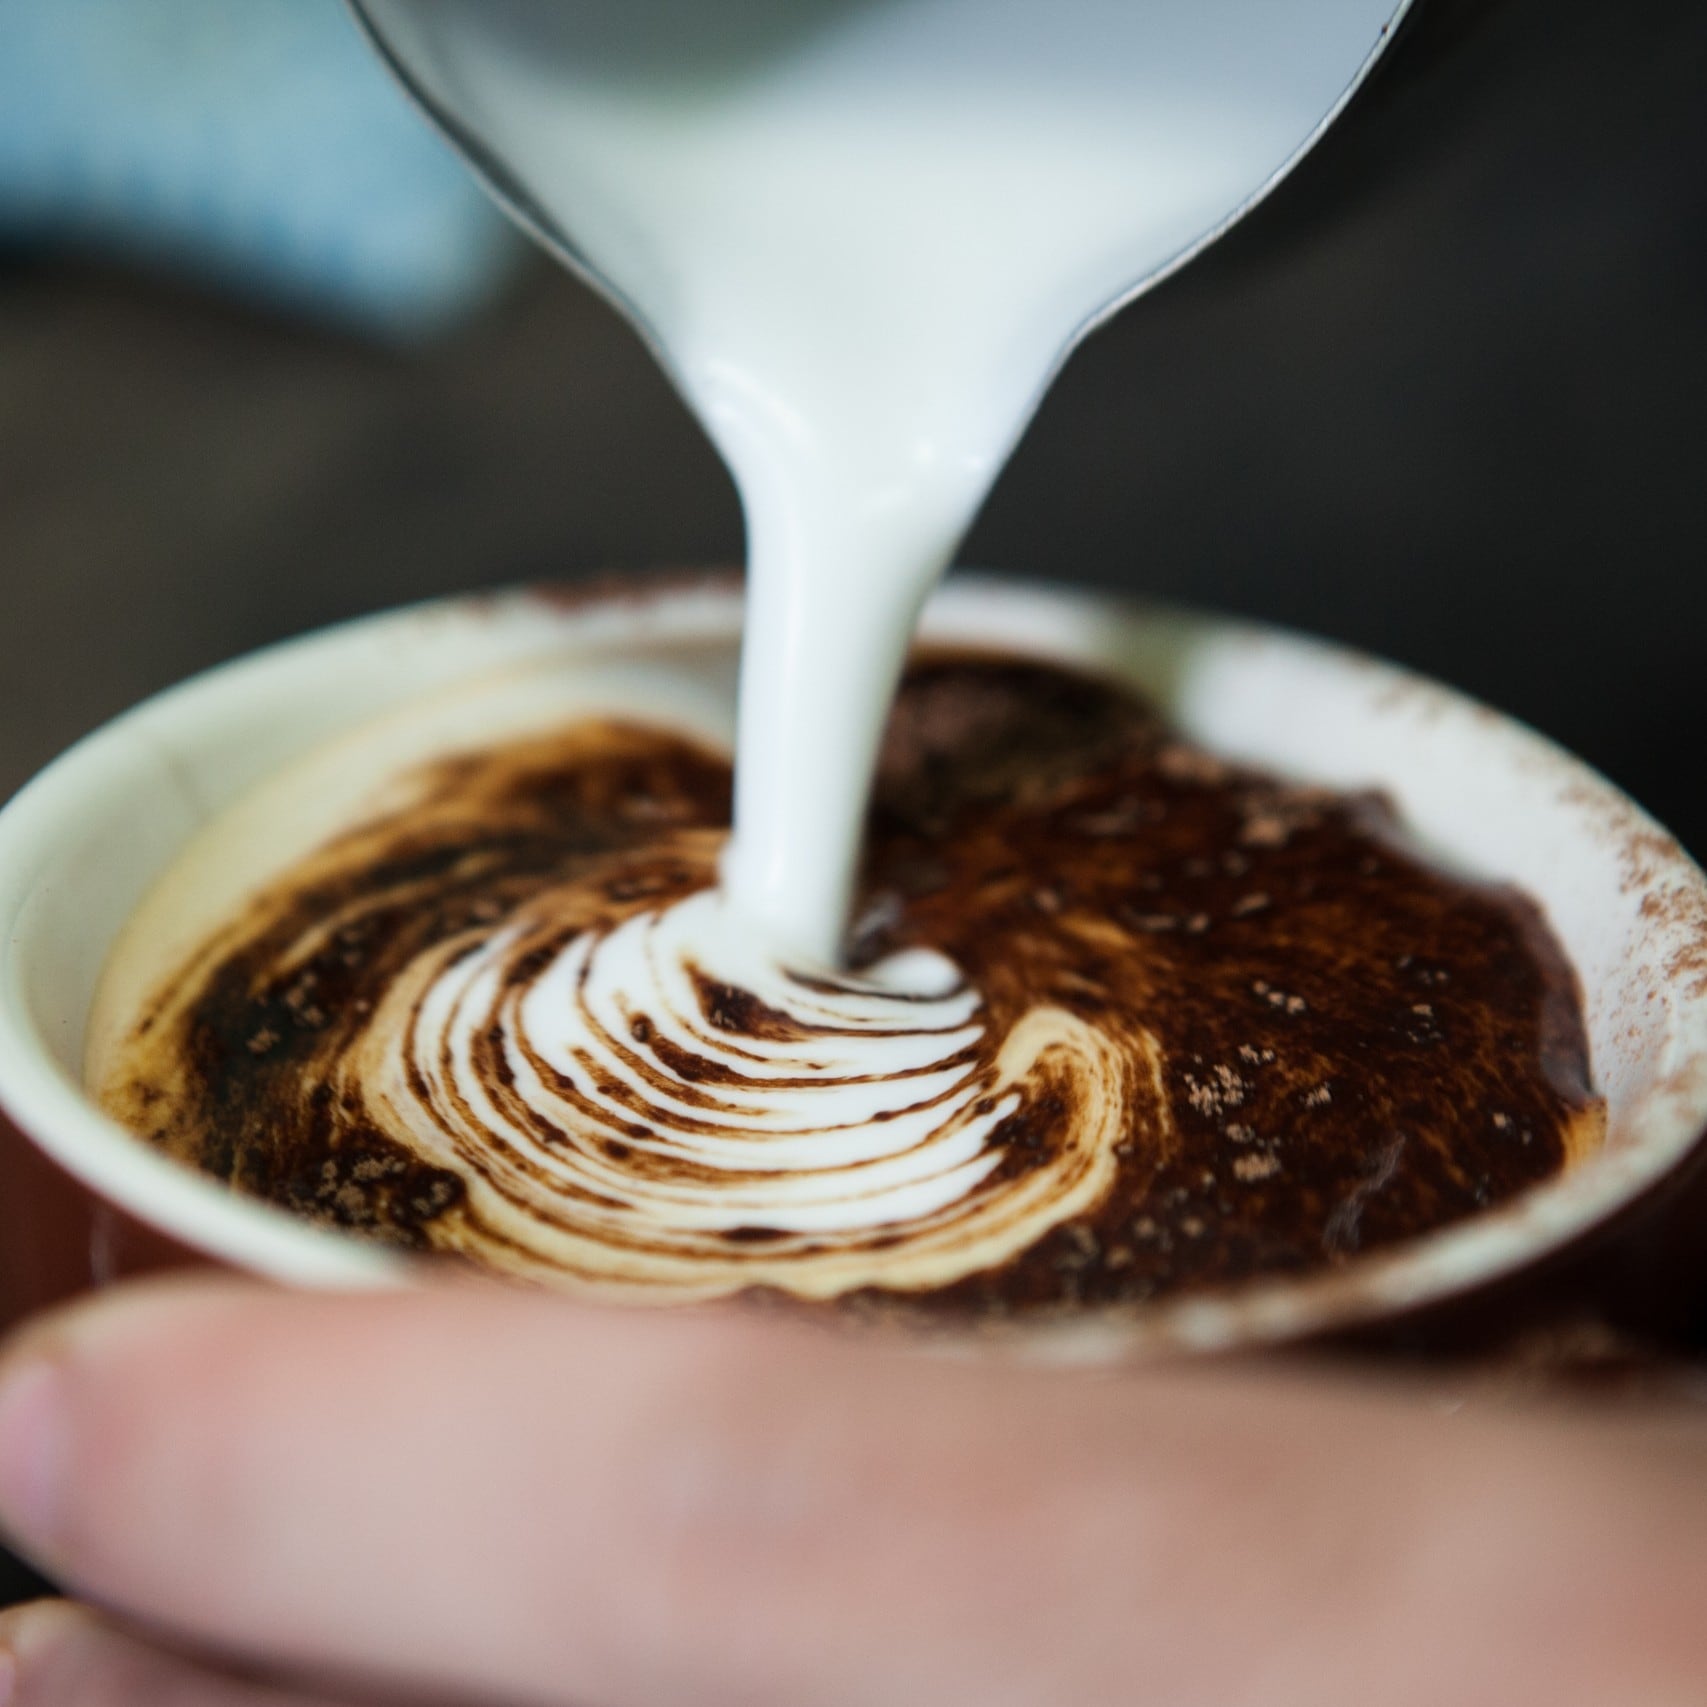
(862, 235)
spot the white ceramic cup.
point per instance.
(81, 846)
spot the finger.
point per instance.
(62, 1655)
(505, 1493)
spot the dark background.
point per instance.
(1443, 396)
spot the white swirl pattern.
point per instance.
(658, 1106)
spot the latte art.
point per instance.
(660, 1104)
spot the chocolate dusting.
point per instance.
(1355, 1047)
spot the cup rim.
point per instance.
(50, 1107)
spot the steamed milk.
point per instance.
(861, 234)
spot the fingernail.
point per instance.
(33, 1450)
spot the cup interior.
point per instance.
(82, 846)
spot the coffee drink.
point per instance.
(1120, 1021)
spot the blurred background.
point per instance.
(266, 361)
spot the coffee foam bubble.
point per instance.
(658, 1104)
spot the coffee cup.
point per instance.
(83, 1202)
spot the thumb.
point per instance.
(480, 1491)
(502, 1492)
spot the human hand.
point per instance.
(477, 1495)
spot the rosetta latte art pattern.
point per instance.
(659, 1105)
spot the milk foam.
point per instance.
(624, 1126)
(861, 233)
(861, 1115)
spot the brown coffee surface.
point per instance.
(1349, 1046)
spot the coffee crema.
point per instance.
(1121, 1020)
